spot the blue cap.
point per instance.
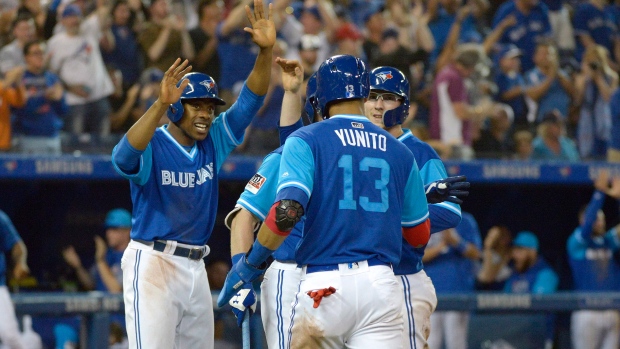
(64, 333)
(509, 51)
(71, 10)
(118, 218)
(526, 239)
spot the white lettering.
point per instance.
(374, 140)
(183, 178)
(504, 301)
(361, 142)
(175, 183)
(382, 143)
(341, 136)
(192, 179)
(350, 137)
(165, 177)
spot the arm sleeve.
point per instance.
(546, 282)
(8, 234)
(296, 175)
(590, 215)
(125, 153)
(443, 215)
(286, 131)
(260, 191)
(442, 218)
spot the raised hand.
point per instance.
(601, 182)
(170, 90)
(263, 29)
(292, 74)
(71, 257)
(101, 248)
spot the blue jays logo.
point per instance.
(209, 84)
(384, 76)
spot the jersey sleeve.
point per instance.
(8, 234)
(296, 174)
(546, 282)
(468, 230)
(576, 246)
(286, 131)
(260, 191)
(434, 170)
(144, 171)
(415, 207)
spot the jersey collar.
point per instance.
(191, 154)
(359, 118)
(406, 134)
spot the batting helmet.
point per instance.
(201, 86)
(310, 105)
(394, 81)
(340, 77)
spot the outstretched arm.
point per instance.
(263, 33)
(292, 79)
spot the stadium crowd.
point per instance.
(522, 79)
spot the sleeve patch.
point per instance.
(255, 183)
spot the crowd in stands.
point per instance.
(511, 79)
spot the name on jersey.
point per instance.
(602, 254)
(255, 183)
(187, 179)
(364, 139)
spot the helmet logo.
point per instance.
(384, 76)
(350, 91)
(209, 84)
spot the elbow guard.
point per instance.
(283, 216)
(419, 235)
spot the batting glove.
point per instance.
(448, 189)
(242, 273)
(244, 300)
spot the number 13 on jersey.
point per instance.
(350, 176)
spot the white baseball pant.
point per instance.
(451, 326)
(595, 329)
(420, 303)
(278, 289)
(364, 313)
(9, 329)
(168, 302)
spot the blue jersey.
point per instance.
(592, 263)
(113, 258)
(358, 185)
(8, 238)
(40, 116)
(600, 25)
(431, 169)
(527, 32)
(506, 82)
(614, 106)
(450, 271)
(538, 279)
(175, 192)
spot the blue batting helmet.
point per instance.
(310, 106)
(340, 77)
(394, 81)
(201, 86)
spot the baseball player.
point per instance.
(10, 241)
(590, 251)
(173, 172)
(282, 277)
(387, 107)
(361, 193)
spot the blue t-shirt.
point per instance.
(440, 28)
(568, 150)
(592, 263)
(40, 116)
(175, 192)
(358, 185)
(113, 258)
(126, 54)
(431, 169)
(527, 32)
(538, 279)
(237, 44)
(555, 98)
(614, 106)
(8, 238)
(504, 83)
(599, 24)
(450, 271)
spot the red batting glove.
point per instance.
(319, 294)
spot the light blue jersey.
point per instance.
(175, 192)
(8, 238)
(349, 175)
(592, 262)
(443, 216)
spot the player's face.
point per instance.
(197, 118)
(378, 103)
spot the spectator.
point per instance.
(548, 86)
(349, 40)
(495, 258)
(449, 262)
(10, 241)
(374, 22)
(510, 83)
(590, 251)
(613, 152)
(10, 96)
(309, 45)
(452, 118)
(204, 38)
(75, 57)
(523, 145)
(494, 141)
(551, 142)
(561, 26)
(164, 37)
(105, 274)
(595, 85)
(12, 55)
(39, 122)
(119, 45)
(532, 25)
(595, 25)
(442, 15)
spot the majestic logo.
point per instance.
(384, 76)
(209, 84)
(255, 183)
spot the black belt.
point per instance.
(331, 267)
(195, 253)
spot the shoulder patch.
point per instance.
(255, 183)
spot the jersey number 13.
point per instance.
(349, 203)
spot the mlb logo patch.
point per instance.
(255, 183)
(357, 125)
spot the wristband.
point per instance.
(237, 257)
(258, 254)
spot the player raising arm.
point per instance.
(360, 192)
(173, 172)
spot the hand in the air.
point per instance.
(20, 271)
(169, 90)
(101, 248)
(450, 189)
(263, 29)
(71, 257)
(292, 74)
(244, 300)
